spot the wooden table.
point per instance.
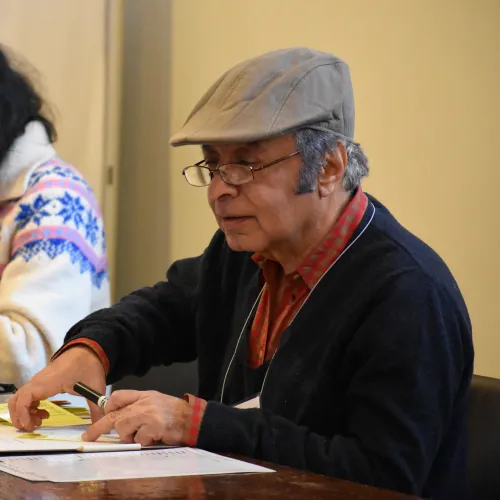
(284, 484)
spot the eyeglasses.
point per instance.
(234, 174)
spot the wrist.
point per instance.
(185, 415)
(193, 420)
(87, 345)
(84, 356)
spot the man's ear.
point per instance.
(332, 172)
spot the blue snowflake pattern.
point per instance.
(36, 176)
(59, 171)
(53, 247)
(91, 228)
(72, 209)
(33, 212)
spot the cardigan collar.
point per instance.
(28, 151)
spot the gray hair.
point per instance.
(313, 145)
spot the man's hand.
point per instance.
(77, 364)
(143, 417)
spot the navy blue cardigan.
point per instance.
(369, 383)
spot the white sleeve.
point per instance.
(50, 282)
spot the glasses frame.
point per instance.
(221, 173)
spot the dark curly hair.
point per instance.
(19, 104)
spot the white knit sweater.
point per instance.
(53, 269)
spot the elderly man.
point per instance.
(328, 337)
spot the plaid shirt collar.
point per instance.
(328, 251)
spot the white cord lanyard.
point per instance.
(300, 308)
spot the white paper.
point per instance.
(67, 438)
(75, 401)
(249, 403)
(5, 416)
(59, 439)
(73, 433)
(124, 465)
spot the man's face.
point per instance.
(265, 213)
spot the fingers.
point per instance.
(12, 411)
(76, 363)
(43, 414)
(127, 425)
(156, 417)
(102, 426)
(117, 400)
(144, 437)
(125, 421)
(21, 409)
(120, 399)
(30, 416)
(23, 402)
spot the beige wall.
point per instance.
(65, 43)
(143, 227)
(427, 77)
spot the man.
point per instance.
(328, 337)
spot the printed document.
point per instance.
(124, 465)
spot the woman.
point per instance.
(53, 268)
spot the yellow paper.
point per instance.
(58, 417)
(66, 434)
(32, 435)
(81, 412)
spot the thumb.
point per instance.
(119, 399)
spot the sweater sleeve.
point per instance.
(57, 258)
(149, 327)
(407, 367)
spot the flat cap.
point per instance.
(270, 95)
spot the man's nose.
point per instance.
(218, 188)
